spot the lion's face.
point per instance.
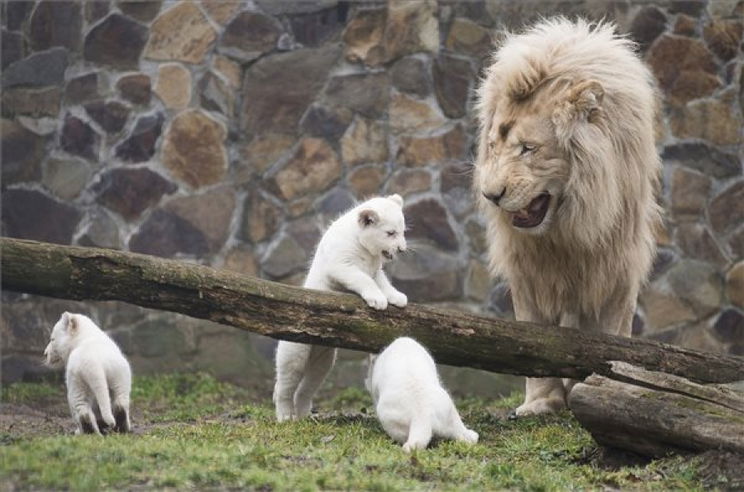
(523, 170)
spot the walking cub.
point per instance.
(349, 257)
(98, 376)
(409, 400)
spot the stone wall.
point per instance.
(228, 133)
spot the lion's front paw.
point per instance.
(398, 299)
(375, 300)
(541, 406)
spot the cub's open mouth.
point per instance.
(533, 214)
(387, 254)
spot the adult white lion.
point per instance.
(566, 174)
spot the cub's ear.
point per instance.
(582, 101)
(396, 198)
(368, 217)
(71, 322)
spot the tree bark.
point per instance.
(655, 414)
(340, 320)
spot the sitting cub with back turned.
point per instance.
(349, 257)
(97, 374)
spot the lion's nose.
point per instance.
(494, 197)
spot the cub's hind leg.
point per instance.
(291, 360)
(318, 366)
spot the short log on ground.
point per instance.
(655, 414)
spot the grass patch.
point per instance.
(195, 432)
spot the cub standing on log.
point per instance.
(350, 257)
(97, 374)
(409, 400)
(566, 174)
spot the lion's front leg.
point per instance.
(542, 395)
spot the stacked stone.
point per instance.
(231, 132)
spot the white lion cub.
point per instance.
(409, 400)
(98, 376)
(349, 257)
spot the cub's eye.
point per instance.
(391, 233)
(527, 148)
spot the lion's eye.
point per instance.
(527, 148)
(391, 233)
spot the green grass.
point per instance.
(195, 432)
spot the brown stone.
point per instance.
(413, 116)
(142, 10)
(221, 11)
(130, 192)
(135, 88)
(300, 207)
(166, 234)
(261, 219)
(366, 94)
(66, 178)
(56, 23)
(31, 102)
(307, 234)
(250, 35)
(229, 70)
(647, 25)
(29, 214)
(690, 192)
(727, 209)
(194, 149)
(693, 84)
(265, 150)
(664, 310)
(140, 146)
(363, 37)
(478, 282)
(735, 284)
(452, 77)
(364, 142)
(671, 55)
(685, 25)
(411, 27)
(180, 33)
(241, 260)
(209, 212)
(411, 75)
(469, 38)
(313, 168)
(82, 89)
(173, 85)
(427, 220)
(408, 181)
(449, 146)
(117, 42)
(79, 138)
(707, 119)
(22, 153)
(277, 89)
(689, 7)
(366, 181)
(111, 115)
(696, 242)
(723, 37)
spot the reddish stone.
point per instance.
(28, 214)
(671, 55)
(723, 37)
(118, 42)
(140, 146)
(111, 116)
(135, 88)
(56, 23)
(79, 138)
(130, 192)
(82, 89)
(647, 25)
(427, 219)
(165, 234)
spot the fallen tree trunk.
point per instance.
(339, 320)
(654, 414)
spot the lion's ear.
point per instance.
(583, 101)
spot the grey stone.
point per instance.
(285, 258)
(40, 69)
(16, 13)
(250, 35)
(216, 95)
(729, 327)
(56, 23)
(698, 284)
(316, 28)
(12, 48)
(452, 78)
(324, 122)
(703, 158)
(66, 178)
(82, 89)
(647, 25)
(428, 275)
(22, 153)
(366, 94)
(411, 75)
(696, 242)
(143, 11)
(427, 220)
(663, 261)
(102, 232)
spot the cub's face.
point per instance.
(382, 226)
(523, 171)
(60, 342)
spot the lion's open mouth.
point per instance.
(533, 214)
(387, 254)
